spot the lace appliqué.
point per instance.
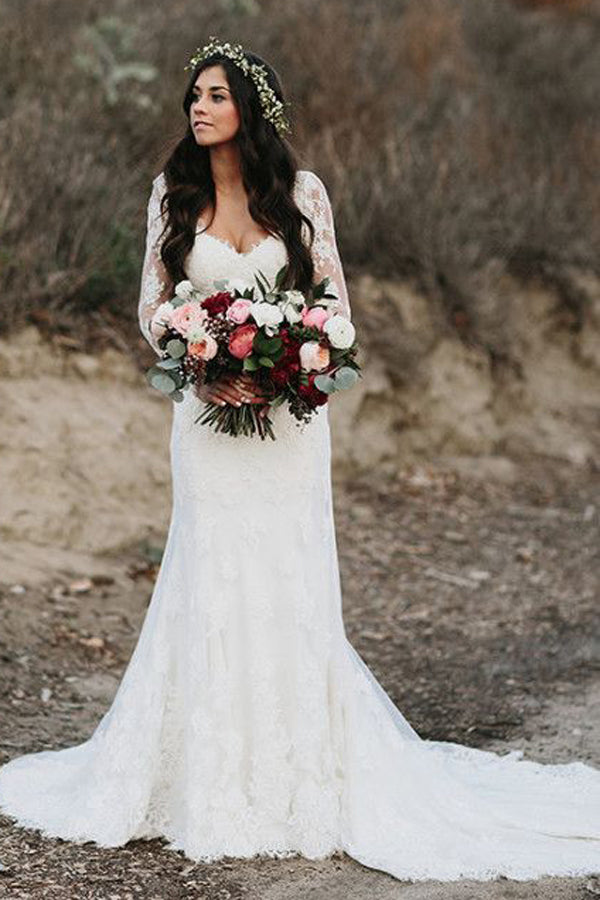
(313, 199)
(156, 285)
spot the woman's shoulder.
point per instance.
(159, 184)
(308, 188)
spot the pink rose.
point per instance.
(313, 356)
(186, 315)
(239, 311)
(315, 316)
(240, 341)
(204, 349)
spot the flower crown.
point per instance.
(272, 107)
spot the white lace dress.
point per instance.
(245, 722)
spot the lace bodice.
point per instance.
(212, 258)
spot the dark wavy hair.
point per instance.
(268, 168)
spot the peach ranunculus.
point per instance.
(240, 341)
(315, 316)
(204, 349)
(313, 356)
(186, 315)
(239, 311)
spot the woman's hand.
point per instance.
(234, 389)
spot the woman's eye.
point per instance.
(196, 97)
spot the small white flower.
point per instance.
(185, 290)
(296, 297)
(340, 331)
(238, 284)
(291, 304)
(291, 312)
(266, 314)
(196, 333)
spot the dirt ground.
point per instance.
(473, 599)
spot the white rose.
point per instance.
(184, 290)
(266, 314)
(340, 331)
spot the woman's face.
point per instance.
(214, 117)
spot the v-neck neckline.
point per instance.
(230, 246)
(226, 243)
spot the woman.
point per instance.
(246, 723)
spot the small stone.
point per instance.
(97, 643)
(455, 536)
(524, 554)
(479, 574)
(81, 586)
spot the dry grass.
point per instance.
(458, 140)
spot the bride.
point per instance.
(246, 723)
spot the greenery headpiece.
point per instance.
(272, 107)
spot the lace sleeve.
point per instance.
(325, 253)
(156, 285)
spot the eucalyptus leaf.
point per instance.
(266, 361)
(168, 364)
(175, 348)
(325, 384)
(163, 383)
(250, 364)
(345, 378)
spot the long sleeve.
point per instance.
(325, 253)
(156, 285)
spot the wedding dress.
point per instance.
(245, 722)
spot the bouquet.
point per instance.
(296, 345)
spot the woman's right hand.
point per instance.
(234, 389)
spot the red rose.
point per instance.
(313, 396)
(218, 303)
(288, 365)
